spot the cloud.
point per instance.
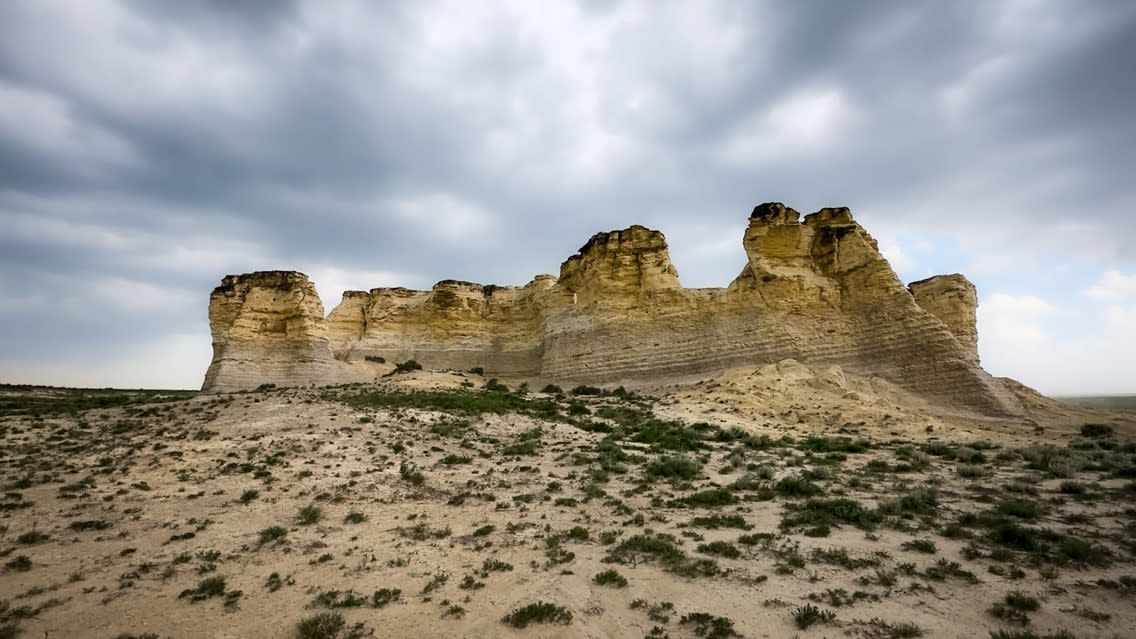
(1058, 350)
(1113, 286)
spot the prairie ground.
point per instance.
(770, 503)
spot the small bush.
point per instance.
(309, 515)
(384, 596)
(1015, 608)
(710, 498)
(673, 467)
(808, 615)
(721, 549)
(272, 533)
(354, 518)
(586, 390)
(410, 474)
(715, 522)
(495, 386)
(406, 367)
(324, 625)
(1096, 430)
(795, 486)
(540, 612)
(709, 626)
(206, 588)
(921, 545)
(610, 578)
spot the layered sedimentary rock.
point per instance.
(816, 290)
(954, 300)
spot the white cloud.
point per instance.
(1121, 318)
(136, 296)
(805, 122)
(1058, 350)
(44, 123)
(1113, 286)
(444, 217)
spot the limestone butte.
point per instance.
(816, 290)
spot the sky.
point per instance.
(149, 148)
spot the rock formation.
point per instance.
(815, 290)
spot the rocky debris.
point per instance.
(816, 290)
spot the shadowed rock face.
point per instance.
(815, 290)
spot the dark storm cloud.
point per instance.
(436, 140)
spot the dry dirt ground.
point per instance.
(776, 502)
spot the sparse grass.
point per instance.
(808, 615)
(829, 512)
(705, 625)
(1015, 608)
(709, 498)
(661, 548)
(926, 546)
(717, 521)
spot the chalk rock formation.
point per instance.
(268, 327)
(816, 290)
(954, 300)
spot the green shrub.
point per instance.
(921, 545)
(709, 498)
(310, 514)
(209, 587)
(272, 533)
(808, 615)
(796, 486)
(829, 512)
(539, 612)
(709, 626)
(673, 467)
(721, 549)
(716, 521)
(324, 625)
(1015, 608)
(610, 578)
(1096, 430)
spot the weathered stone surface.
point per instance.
(816, 290)
(954, 301)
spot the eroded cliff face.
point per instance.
(268, 327)
(816, 290)
(954, 301)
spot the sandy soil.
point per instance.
(111, 518)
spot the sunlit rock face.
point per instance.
(816, 290)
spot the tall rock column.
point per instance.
(954, 301)
(268, 328)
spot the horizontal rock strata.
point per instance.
(815, 289)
